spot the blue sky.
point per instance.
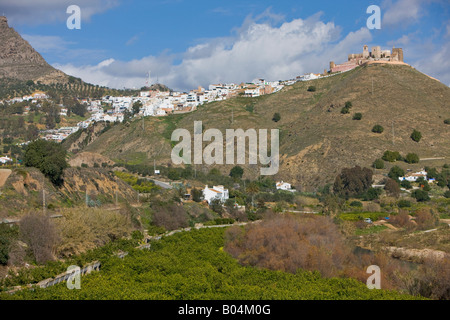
(197, 42)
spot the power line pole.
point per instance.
(393, 134)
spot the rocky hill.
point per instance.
(317, 140)
(18, 59)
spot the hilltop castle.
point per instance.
(357, 59)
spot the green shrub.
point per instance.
(276, 117)
(406, 184)
(356, 204)
(345, 110)
(404, 203)
(412, 158)
(447, 121)
(378, 164)
(312, 89)
(357, 116)
(396, 172)
(420, 195)
(377, 129)
(416, 136)
(392, 156)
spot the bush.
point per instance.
(39, 233)
(420, 195)
(377, 129)
(276, 117)
(353, 181)
(396, 172)
(345, 110)
(378, 164)
(447, 121)
(447, 194)
(406, 184)
(412, 158)
(47, 156)
(416, 136)
(404, 204)
(392, 188)
(357, 116)
(392, 156)
(237, 172)
(289, 243)
(356, 204)
(312, 89)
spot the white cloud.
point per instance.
(402, 12)
(256, 50)
(436, 64)
(44, 44)
(33, 12)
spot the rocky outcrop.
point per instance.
(18, 59)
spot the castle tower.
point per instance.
(398, 52)
(376, 53)
(332, 65)
(366, 52)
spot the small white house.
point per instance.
(414, 176)
(216, 192)
(285, 186)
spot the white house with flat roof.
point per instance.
(216, 192)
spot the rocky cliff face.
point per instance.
(18, 59)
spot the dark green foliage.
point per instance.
(237, 172)
(447, 121)
(276, 117)
(312, 89)
(356, 204)
(173, 174)
(396, 172)
(357, 116)
(137, 107)
(378, 164)
(377, 129)
(447, 194)
(8, 234)
(372, 194)
(352, 182)
(420, 195)
(404, 204)
(416, 136)
(217, 206)
(345, 110)
(197, 194)
(412, 158)
(49, 157)
(406, 184)
(392, 156)
(348, 104)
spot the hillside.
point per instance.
(316, 139)
(18, 60)
(22, 190)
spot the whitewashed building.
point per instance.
(216, 192)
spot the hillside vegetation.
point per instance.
(317, 140)
(193, 266)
